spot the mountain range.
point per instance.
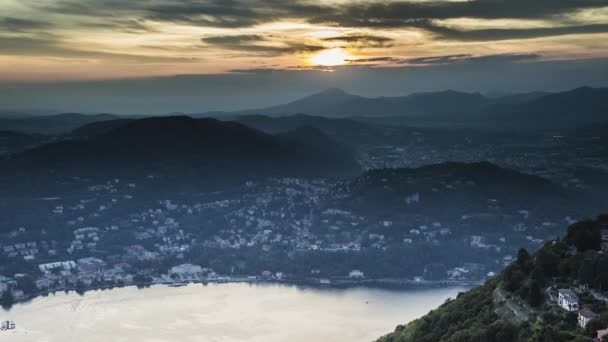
(578, 107)
(336, 102)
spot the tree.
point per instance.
(586, 271)
(524, 260)
(547, 262)
(81, 287)
(535, 296)
(585, 235)
(513, 277)
(7, 300)
(601, 280)
(593, 326)
(27, 284)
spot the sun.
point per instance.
(331, 57)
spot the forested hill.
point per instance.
(521, 303)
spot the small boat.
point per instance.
(7, 325)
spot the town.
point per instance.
(281, 229)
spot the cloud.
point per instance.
(403, 13)
(120, 25)
(467, 58)
(260, 44)
(166, 31)
(234, 39)
(373, 60)
(28, 46)
(363, 40)
(370, 14)
(241, 13)
(22, 25)
(448, 33)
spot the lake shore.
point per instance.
(338, 283)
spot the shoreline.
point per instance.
(382, 283)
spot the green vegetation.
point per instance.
(515, 306)
(7, 300)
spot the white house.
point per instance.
(64, 265)
(355, 274)
(584, 316)
(567, 300)
(186, 272)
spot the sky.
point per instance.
(112, 55)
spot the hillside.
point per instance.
(97, 128)
(342, 129)
(11, 142)
(285, 123)
(52, 124)
(521, 304)
(577, 107)
(451, 189)
(184, 148)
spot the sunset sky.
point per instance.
(69, 40)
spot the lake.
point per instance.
(220, 312)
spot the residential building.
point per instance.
(584, 316)
(567, 300)
(601, 335)
(62, 265)
(355, 274)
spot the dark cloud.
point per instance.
(451, 59)
(260, 44)
(403, 13)
(91, 8)
(467, 58)
(234, 39)
(21, 25)
(238, 13)
(122, 25)
(448, 33)
(363, 40)
(284, 48)
(437, 59)
(373, 60)
(371, 14)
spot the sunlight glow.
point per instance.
(331, 57)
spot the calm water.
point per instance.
(220, 312)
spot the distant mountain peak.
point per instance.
(329, 94)
(333, 92)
